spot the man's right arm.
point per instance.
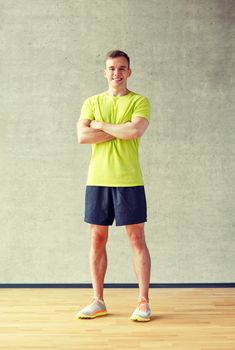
(87, 134)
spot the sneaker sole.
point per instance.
(140, 319)
(97, 314)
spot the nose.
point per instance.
(116, 71)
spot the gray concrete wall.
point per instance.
(51, 59)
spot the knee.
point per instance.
(137, 237)
(99, 236)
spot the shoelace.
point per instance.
(142, 304)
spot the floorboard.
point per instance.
(190, 318)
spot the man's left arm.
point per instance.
(130, 130)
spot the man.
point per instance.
(113, 123)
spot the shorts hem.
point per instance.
(94, 222)
(135, 222)
(91, 222)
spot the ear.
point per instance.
(104, 72)
(130, 72)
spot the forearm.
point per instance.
(89, 135)
(124, 131)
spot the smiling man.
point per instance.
(113, 122)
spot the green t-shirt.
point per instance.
(115, 163)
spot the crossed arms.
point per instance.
(97, 132)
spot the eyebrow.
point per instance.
(119, 67)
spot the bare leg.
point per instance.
(142, 262)
(98, 258)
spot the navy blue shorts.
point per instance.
(127, 205)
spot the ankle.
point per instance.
(143, 299)
(101, 300)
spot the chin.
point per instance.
(117, 84)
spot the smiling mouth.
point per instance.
(117, 79)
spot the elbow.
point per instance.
(133, 134)
(80, 135)
(81, 139)
(136, 133)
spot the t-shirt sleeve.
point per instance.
(87, 110)
(142, 108)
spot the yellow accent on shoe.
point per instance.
(97, 314)
(140, 319)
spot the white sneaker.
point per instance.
(95, 309)
(142, 313)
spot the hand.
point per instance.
(96, 124)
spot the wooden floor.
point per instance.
(182, 319)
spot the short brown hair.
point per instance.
(117, 53)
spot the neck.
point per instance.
(118, 92)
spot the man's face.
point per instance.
(117, 72)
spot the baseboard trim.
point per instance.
(118, 285)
